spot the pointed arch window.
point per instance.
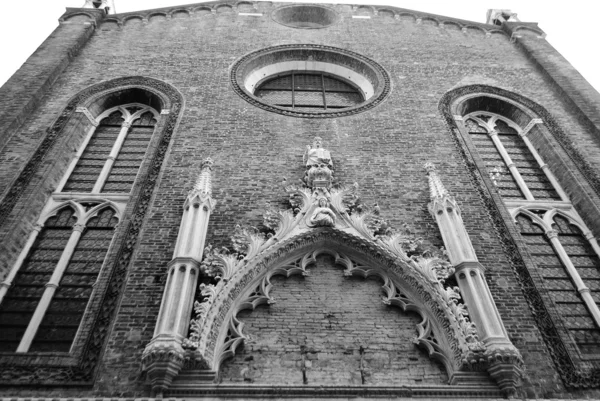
(45, 296)
(43, 307)
(517, 172)
(570, 270)
(564, 252)
(110, 159)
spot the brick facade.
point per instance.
(257, 152)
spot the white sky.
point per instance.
(571, 26)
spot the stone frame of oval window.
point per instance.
(364, 73)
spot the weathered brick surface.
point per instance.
(321, 322)
(383, 150)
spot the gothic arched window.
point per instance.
(515, 170)
(563, 250)
(111, 160)
(570, 270)
(45, 295)
(45, 303)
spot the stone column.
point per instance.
(505, 362)
(163, 357)
(110, 161)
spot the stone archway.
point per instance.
(330, 328)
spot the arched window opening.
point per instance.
(92, 161)
(559, 282)
(63, 317)
(309, 91)
(131, 155)
(111, 159)
(563, 251)
(23, 296)
(508, 159)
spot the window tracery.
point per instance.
(564, 251)
(44, 298)
(308, 91)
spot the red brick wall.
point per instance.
(322, 321)
(383, 150)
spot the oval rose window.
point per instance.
(308, 91)
(310, 81)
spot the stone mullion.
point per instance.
(582, 289)
(110, 161)
(75, 160)
(511, 165)
(540, 161)
(5, 285)
(589, 236)
(51, 286)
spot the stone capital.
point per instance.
(469, 265)
(184, 261)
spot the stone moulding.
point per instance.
(572, 375)
(326, 220)
(83, 371)
(249, 287)
(368, 70)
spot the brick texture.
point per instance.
(320, 322)
(256, 151)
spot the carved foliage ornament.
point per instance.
(324, 218)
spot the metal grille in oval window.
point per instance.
(311, 92)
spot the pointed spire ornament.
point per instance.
(436, 187)
(163, 357)
(505, 360)
(204, 183)
(440, 197)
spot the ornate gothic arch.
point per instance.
(325, 219)
(445, 332)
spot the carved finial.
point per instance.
(204, 184)
(436, 188)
